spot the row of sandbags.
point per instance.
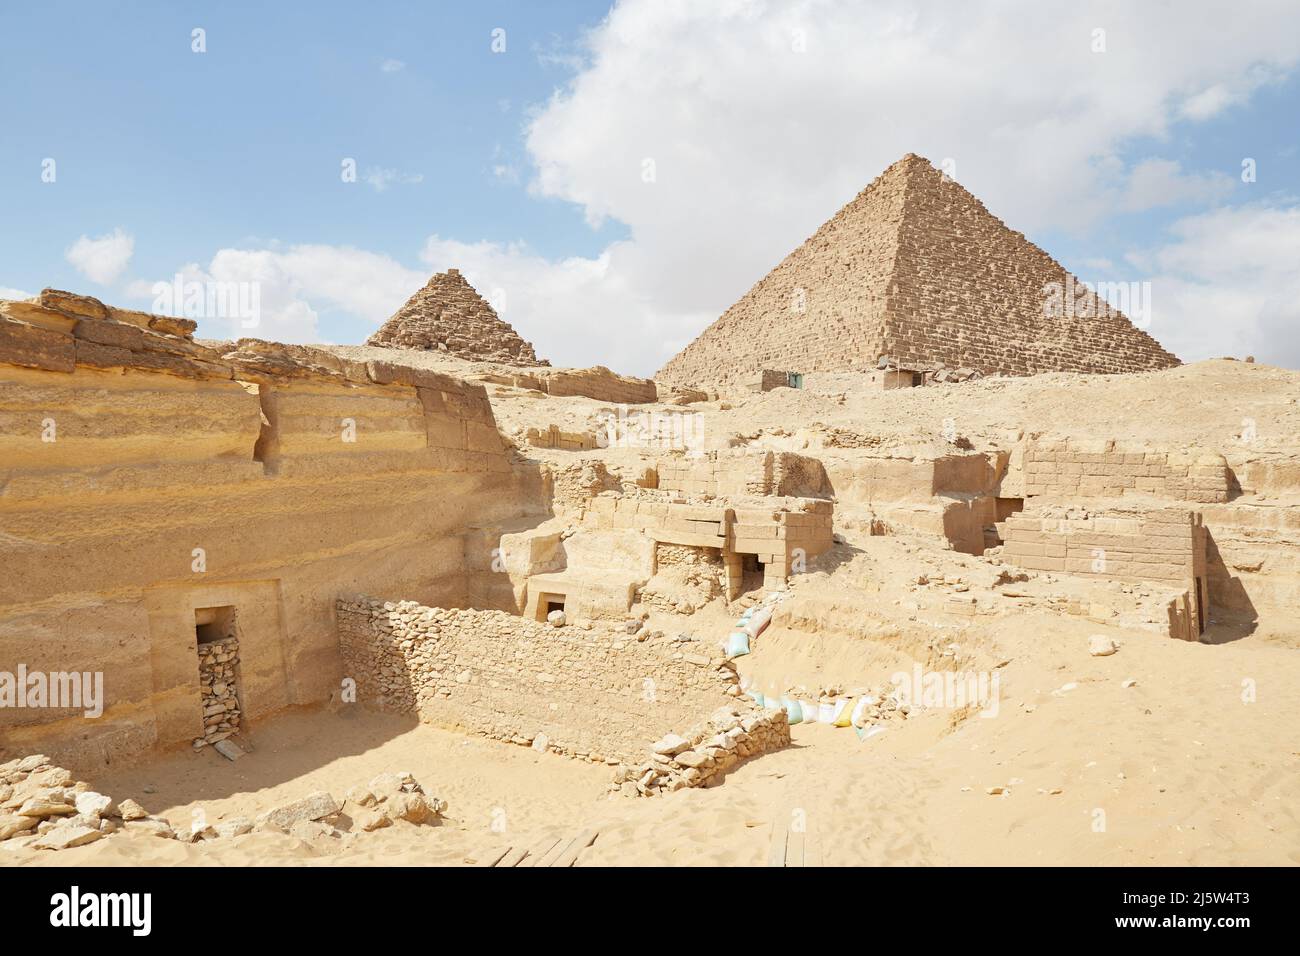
(751, 624)
(844, 712)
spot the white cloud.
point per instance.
(1216, 97)
(1162, 182)
(507, 173)
(392, 66)
(103, 258)
(294, 285)
(755, 143)
(381, 179)
(576, 311)
(1228, 285)
(12, 294)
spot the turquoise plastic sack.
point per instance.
(758, 698)
(793, 710)
(737, 644)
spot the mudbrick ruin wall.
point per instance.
(915, 268)
(591, 692)
(147, 481)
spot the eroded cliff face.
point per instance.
(151, 486)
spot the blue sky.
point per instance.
(243, 144)
(526, 167)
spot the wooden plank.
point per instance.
(560, 846)
(512, 857)
(776, 848)
(487, 856)
(538, 850)
(794, 849)
(584, 839)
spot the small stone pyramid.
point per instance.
(914, 268)
(447, 315)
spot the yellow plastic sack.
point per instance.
(843, 714)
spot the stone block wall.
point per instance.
(218, 681)
(1166, 546)
(598, 383)
(783, 533)
(601, 384)
(1111, 469)
(765, 380)
(743, 472)
(554, 437)
(685, 579)
(596, 693)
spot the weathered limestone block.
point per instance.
(35, 347)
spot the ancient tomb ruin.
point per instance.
(199, 522)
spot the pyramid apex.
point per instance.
(914, 161)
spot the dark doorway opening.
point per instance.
(214, 624)
(1200, 606)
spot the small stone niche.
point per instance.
(217, 635)
(547, 603)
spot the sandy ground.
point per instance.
(1177, 769)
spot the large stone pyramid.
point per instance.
(447, 315)
(917, 269)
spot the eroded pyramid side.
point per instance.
(916, 268)
(821, 308)
(448, 315)
(967, 291)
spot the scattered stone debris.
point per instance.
(389, 798)
(44, 805)
(706, 752)
(1101, 646)
(228, 749)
